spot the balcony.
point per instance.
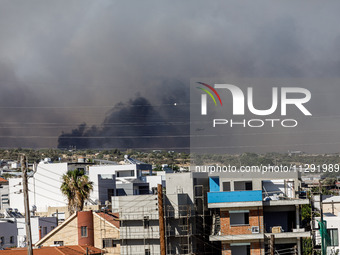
(233, 238)
(276, 198)
(235, 199)
(284, 236)
(297, 233)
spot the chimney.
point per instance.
(85, 228)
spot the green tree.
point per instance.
(76, 187)
(307, 246)
(306, 216)
(306, 212)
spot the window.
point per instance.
(146, 222)
(154, 190)
(83, 231)
(243, 185)
(44, 230)
(61, 243)
(147, 252)
(240, 250)
(11, 239)
(249, 185)
(239, 218)
(110, 194)
(333, 237)
(125, 173)
(2, 240)
(109, 243)
(198, 191)
(226, 186)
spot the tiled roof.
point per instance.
(59, 250)
(113, 218)
(3, 180)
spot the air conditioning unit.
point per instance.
(255, 230)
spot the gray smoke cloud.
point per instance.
(137, 124)
(64, 63)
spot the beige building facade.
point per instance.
(102, 233)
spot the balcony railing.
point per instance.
(235, 196)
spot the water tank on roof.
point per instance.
(47, 160)
(81, 160)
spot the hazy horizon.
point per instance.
(123, 68)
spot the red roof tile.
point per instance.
(3, 180)
(113, 218)
(59, 250)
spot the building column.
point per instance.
(299, 246)
(297, 216)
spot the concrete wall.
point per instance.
(136, 207)
(330, 204)
(135, 234)
(137, 247)
(103, 230)
(68, 234)
(8, 229)
(105, 184)
(4, 196)
(112, 169)
(180, 200)
(44, 224)
(63, 212)
(44, 188)
(154, 181)
(183, 183)
(126, 189)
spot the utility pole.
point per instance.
(272, 241)
(161, 218)
(27, 206)
(323, 243)
(57, 216)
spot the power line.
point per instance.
(95, 106)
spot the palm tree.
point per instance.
(76, 187)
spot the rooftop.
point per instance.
(113, 218)
(3, 180)
(57, 250)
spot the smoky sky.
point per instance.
(137, 124)
(65, 63)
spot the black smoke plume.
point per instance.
(137, 124)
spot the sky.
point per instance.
(114, 69)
